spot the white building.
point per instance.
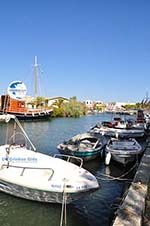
(89, 104)
(117, 106)
(53, 100)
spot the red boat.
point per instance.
(19, 109)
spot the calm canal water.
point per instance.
(94, 210)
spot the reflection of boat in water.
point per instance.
(122, 150)
(35, 176)
(14, 103)
(86, 146)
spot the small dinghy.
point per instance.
(35, 176)
(87, 146)
(122, 150)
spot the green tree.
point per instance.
(39, 102)
(71, 108)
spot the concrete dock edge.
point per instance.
(132, 208)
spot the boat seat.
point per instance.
(96, 144)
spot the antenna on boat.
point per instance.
(146, 99)
(35, 76)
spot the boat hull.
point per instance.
(39, 195)
(123, 159)
(85, 155)
(125, 134)
(113, 132)
(125, 151)
(30, 116)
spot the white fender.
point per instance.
(117, 135)
(107, 158)
(107, 170)
(103, 133)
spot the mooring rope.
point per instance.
(64, 208)
(6, 137)
(117, 178)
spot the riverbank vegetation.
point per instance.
(137, 106)
(69, 108)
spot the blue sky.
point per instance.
(92, 49)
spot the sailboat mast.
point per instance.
(35, 76)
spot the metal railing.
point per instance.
(24, 168)
(69, 157)
(14, 136)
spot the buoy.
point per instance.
(107, 158)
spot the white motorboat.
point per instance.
(87, 146)
(121, 129)
(122, 150)
(35, 176)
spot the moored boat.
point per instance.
(122, 150)
(18, 108)
(87, 146)
(28, 174)
(119, 129)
